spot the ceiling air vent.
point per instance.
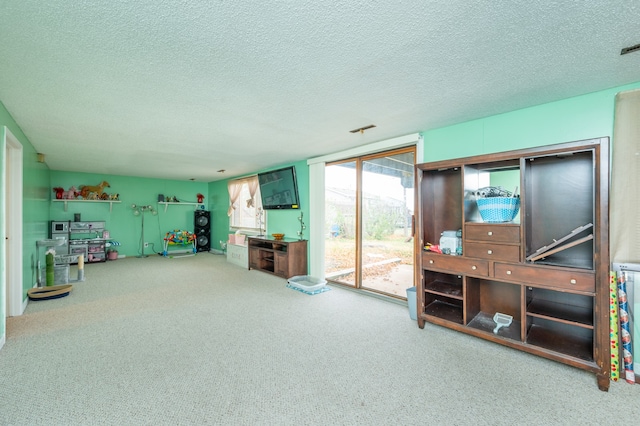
(362, 129)
(630, 49)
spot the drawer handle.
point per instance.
(489, 233)
(431, 261)
(508, 272)
(474, 267)
(573, 281)
(489, 251)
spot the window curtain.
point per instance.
(625, 175)
(234, 187)
(252, 184)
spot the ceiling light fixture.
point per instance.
(362, 129)
(630, 49)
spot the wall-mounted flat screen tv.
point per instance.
(279, 189)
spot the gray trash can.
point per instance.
(411, 301)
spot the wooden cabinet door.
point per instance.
(281, 266)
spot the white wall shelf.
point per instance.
(167, 204)
(111, 202)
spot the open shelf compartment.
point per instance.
(446, 285)
(485, 298)
(566, 339)
(569, 308)
(565, 181)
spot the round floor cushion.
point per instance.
(50, 292)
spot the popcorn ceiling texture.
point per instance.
(180, 89)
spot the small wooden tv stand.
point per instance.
(284, 258)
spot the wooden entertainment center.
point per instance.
(557, 298)
(285, 258)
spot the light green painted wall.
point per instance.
(280, 221)
(123, 226)
(581, 117)
(218, 205)
(34, 208)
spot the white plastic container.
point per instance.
(450, 242)
(306, 282)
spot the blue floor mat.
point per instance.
(310, 292)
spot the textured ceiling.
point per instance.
(179, 89)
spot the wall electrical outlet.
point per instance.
(146, 244)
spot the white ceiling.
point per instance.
(179, 89)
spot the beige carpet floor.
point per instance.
(197, 340)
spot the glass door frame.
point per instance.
(359, 161)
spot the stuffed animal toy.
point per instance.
(70, 194)
(59, 192)
(85, 190)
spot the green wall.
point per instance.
(581, 117)
(123, 226)
(280, 221)
(34, 210)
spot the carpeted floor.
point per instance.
(197, 340)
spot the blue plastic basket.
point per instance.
(498, 209)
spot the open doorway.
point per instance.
(369, 203)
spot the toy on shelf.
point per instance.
(87, 191)
(179, 238)
(71, 194)
(59, 191)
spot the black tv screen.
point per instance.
(279, 189)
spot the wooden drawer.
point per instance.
(492, 232)
(543, 277)
(503, 252)
(455, 264)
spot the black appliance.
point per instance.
(202, 229)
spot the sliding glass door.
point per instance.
(368, 209)
(340, 228)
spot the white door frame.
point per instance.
(12, 224)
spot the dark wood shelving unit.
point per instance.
(559, 303)
(284, 258)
